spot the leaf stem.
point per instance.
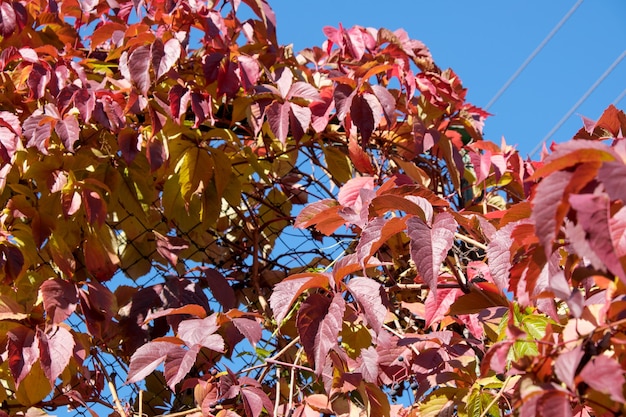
(496, 398)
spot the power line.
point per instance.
(580, 101)
(533, 54)
(619, 98)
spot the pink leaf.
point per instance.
(37, 131)
(548, 198)
(429, 246)
(319, 322)
(201, 332)
(612, 175)
(566, 364)
(179, 97)
(249, 328)
(349, 194)
(498, 252)
(147, 358)
(278, 119)
(343, 95)
(387, 101)
(249, 71)
(369, 364)
(60, 298)
(372, 300)
(593, 215)
(286, 292)
(300, 120)
(57, 348)
(138, 66)
(68, 131)
(303, 90)
(170, 246)
(605, 375)
(178, 363)
(438, 303)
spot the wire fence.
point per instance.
(282, 250)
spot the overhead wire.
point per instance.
(538, 49)
(619, 98)
(580, 101)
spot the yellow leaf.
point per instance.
(195, 170)
(34, 388)
(337, 163)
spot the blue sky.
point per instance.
(485, 42)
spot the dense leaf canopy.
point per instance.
(236, 229)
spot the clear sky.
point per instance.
(486, 41)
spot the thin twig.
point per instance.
(496, 398)
(181, 413)
(290, 365)
(292, 379)
(471, 241)
(277, 401)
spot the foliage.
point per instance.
(167, 135)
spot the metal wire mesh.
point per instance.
(286, 250)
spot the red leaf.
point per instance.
(278, 119)
(190, 309)
(254, 400)
(201, 332)
(323, 214)
(320, 110)
(170, 246)
(138, 66)
(22, 351)
(362, 114)
(147, 358)
(555, 404)
(604, 374)
(593, 213)
(359, 158)
(179, 97)
(286, 292)
(343, 95)
(319, 322)
(221, 290)
(57, 348)
(571, 153)
(100, 261)
(68, 131)
(548, 208)
(375, 234)
(60, 298)
(429, 246)
(372, 299)
(566, 364)
(178, 363)
(129, 144)
(164, 56)
(438, 303)
(387, 101)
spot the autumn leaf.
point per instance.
(319, 323)
(429, 246)
(372, 300)
(286, 292)
(201, 332)
(60, 299)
